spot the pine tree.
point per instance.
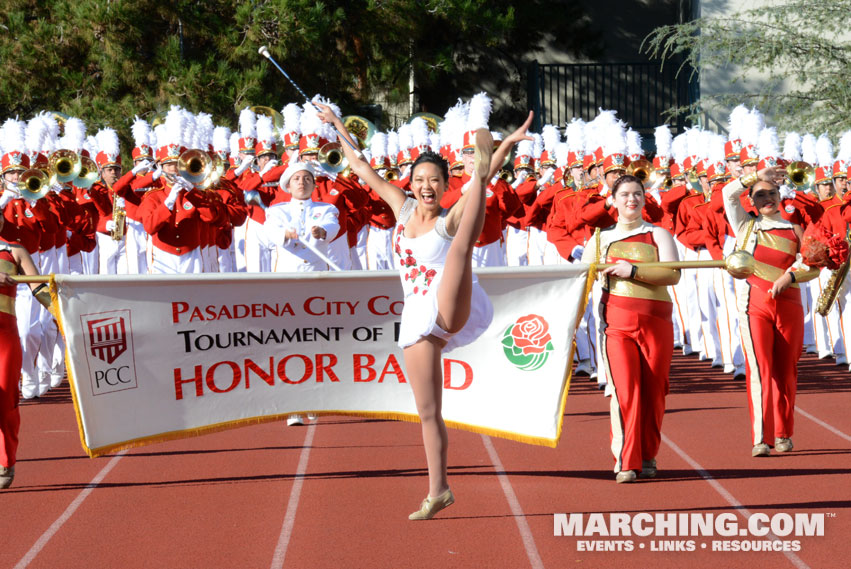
(801, 47)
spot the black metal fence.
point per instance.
(639, 92)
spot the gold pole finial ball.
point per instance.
(740, 264)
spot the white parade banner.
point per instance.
(153, 358)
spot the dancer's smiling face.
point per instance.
(428, 184)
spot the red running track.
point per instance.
(260, 497)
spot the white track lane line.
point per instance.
(744, 512)
(818, 421)
(514, 504)
(289, 518)
(69, 511)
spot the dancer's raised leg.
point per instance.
(456, 284)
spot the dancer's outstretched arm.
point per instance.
(391, 194)
(454, 216)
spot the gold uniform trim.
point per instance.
(8, 267)
(636, 289)
(768, 272)
(7, 304)
(778, 243)
(639, 252)
(632, 250)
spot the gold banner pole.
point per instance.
(31, 278)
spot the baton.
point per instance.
(264, 51)
(319, 254)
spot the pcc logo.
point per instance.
(109, 351)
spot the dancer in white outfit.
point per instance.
(441, 308)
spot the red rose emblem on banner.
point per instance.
(531, 334)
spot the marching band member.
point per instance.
(379, 242)
(291, 226)
(173, 210)
(501, 201)
(112, 252)
(233, 202)
(637, 338)
(827, 328)
(14, 260)
(770, 313)
(25, 222)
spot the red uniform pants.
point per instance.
(772, 338)
(638, 345)
(10, 375)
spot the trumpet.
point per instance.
(641, 169)
(391, 175)
(331, 158)
(65, 165)
(33, 184)
(801, 175)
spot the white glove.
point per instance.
(546, 178)
(609, 201)
(110, 225)
(157, 173)
(120, 203)
(577, 252)
(269, 165)
(178, 185)
(56, 188)
(786, 193)
(7, 197)
(244, 165)
(519, 178)
(69, 233)
(32, 202)
(142, 167)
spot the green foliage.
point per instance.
(109, 60)
(802, 46)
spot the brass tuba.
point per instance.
(331, 158)
(33, 184)
(360, 128)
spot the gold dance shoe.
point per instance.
(431, 506)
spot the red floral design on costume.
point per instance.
(406, 259)
(531, 334)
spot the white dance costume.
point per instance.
(421, 261)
